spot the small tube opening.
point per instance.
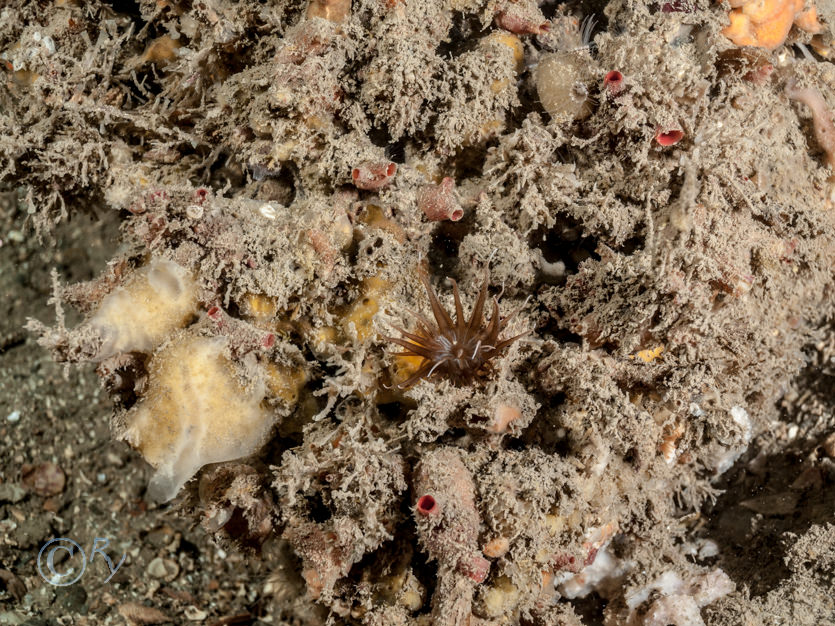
(427, 505)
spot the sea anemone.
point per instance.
(459, 351)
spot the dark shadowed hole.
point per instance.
(590, 609)
(127, 7)
(460, 38)
(392, 411)
(380, 137)
(396, 151)
(318, 511)
(565, 242)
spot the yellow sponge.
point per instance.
(194, 412)
(361, 313)
(160, 298)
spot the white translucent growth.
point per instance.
(681, 602)
(669, 582)
(604, 568)
(680, 610)
(726, 460)
(138, 316)
(194, 412)
(268, 211)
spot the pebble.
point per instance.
(101, 477)
(137, 613)
(13, 417)
(829, 446)
(32, 532)
(46, 479)
(194, 614)
(53, 505)
(160, 537)
(11, 492)
(40, 598)
(165, 569)
(708, 549)
(72, 598)
(114, 459)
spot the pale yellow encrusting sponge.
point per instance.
(136, 317)
(194, 412)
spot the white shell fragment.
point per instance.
(268, 211)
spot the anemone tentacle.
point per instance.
(458, 350)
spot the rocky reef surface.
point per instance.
(648, 193)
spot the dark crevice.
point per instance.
(565, 242)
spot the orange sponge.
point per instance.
(766, 23)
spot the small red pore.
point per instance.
(668, 138)
(200, 195)
(214, 313)
(565, 562)
(613, 82)
(427, 505)
(373, 176)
